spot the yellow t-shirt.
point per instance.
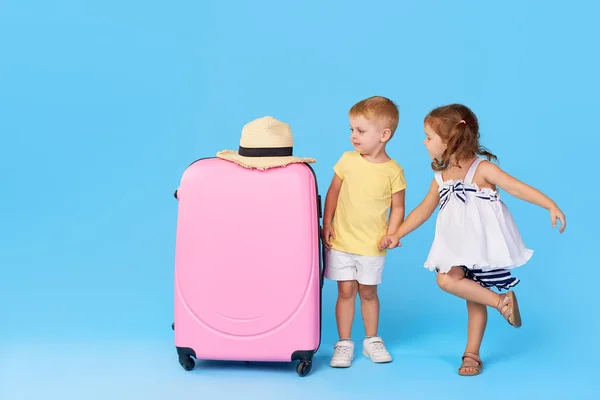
(361, 217)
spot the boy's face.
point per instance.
(367, 135)
(433, 142)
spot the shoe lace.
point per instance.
(378, 347)
(342, 350)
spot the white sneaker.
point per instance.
(343, 354)
(375, 350)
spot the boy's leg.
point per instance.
(341, 268)
(344, 308)
(343, 353)
(370, 271)
(369, 305)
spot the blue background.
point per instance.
(103, 104)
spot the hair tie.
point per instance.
(462, 121)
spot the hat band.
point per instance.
(265, 151)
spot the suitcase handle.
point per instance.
(323, 263)
(323, 257)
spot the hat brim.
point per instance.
(262, 163)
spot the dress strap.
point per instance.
(472, 169)
(438, 177)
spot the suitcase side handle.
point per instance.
(323, 257)
(323, 262)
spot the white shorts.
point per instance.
(367, 270)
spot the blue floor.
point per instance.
(551, 356)
(424, 368)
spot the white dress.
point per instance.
(475, 230)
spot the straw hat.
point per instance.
(265, 143)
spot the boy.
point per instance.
(367, 183)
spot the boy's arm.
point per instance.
(331, 200)
(397, 211)
(420, 214)
(330, 205)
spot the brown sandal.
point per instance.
(476, 368)
(509, 308)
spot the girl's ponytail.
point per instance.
(458, 127)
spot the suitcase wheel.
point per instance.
(304, 367)
(187, 363)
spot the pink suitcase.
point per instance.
(248, 264)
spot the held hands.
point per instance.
(389, 242)
(328, 234)
(557, 214)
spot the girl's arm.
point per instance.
(416, 218)
(397, 211)
(494, 175)
(421, 213)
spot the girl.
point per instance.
(476, 241)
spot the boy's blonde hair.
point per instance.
(380, 108)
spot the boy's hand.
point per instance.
(556, 214)
(389, 242)
(328, 234)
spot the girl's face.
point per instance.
(433, 142)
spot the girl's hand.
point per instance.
(389, 242)
(556, 214)
(328, 234)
